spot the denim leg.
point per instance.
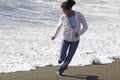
(64, 49)
(72, 50)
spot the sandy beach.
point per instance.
(93, 72)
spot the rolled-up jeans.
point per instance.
(68, 50)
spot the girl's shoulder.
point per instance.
(78, 13)
(63, 16)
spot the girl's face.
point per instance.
(65, 11)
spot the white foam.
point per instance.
(26, 48)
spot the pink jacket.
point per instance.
(68, 30)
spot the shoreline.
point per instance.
(93, 72)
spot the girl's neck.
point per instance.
(71, 13)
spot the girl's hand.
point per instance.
(52, 38)
(76, 34)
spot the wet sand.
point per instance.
(92, 72)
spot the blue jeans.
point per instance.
(67, 57)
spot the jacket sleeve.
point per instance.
(84, 25)
(58, 28)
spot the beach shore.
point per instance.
(92, 72)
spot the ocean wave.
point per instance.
(31, 11)
(25, 10)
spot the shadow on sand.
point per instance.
(86, 77)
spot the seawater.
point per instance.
(46, 12)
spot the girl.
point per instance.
(71, 21)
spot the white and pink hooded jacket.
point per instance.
(68, 30)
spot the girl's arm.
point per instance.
(57, 30)
(84, 25)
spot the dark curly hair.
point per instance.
(68, 4)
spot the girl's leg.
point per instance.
(64, 49)
(72, 49)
